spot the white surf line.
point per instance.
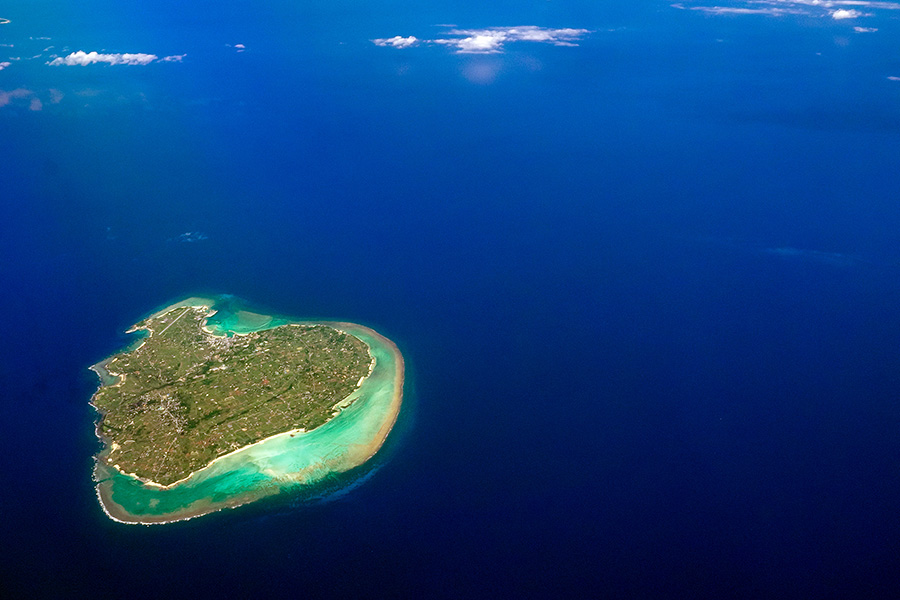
(176, 318)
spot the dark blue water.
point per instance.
(647, 289)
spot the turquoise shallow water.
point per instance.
(279, 464)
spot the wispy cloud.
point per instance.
(3, 65)
(491, 40)
(190, 237)
(397, 41)
(788, 253)
(21, 94)
(741, 10)
(7, 97)
(82, 58)
(835, 259)
(835, 9)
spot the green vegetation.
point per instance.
(186, 396)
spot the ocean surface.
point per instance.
(641, 260)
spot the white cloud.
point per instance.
(82, 58)
(483, 42)
(397, 41)
(3, 65)
(893, 78)
(491, 40)
(865, 29)
(557, 37)
(858, 3)
(175, 58)
(842, 13)
(836, 9)
(736, 10)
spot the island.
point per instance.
(215, 406)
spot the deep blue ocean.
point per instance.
(645, 276)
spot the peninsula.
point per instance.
(218, 407)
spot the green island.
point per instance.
(217, 407)
(186, 396)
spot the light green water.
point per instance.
(277, 465)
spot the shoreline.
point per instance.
(399, 378)
(355, 456)
(168, 486)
